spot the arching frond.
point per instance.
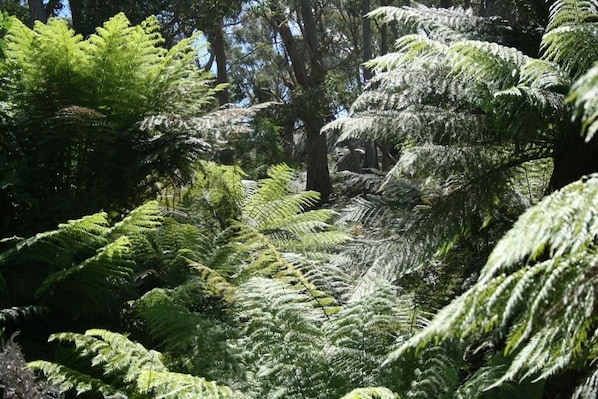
(497, 65)
(127, 365)
(584, 95)
(17, 314)
(572, 13)
(371, 393)
(283, 332)
(589, 388)
(170, 322)
(442, 24)
(570, 40)
(67, 379)
(142, 219)
(81, 259)
(166, 384)
(365, 330)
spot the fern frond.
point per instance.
(170, 322)
(436, 376)
(142, 219)
(166, 384)
(572, 47)
(572, 13)
(487, 61)
(589, 388)
(570, 40)
(111, 267)
(140, 56)
(371, 393)
(365, 330)
(52, 45)
(413, 50)
(216, 283)
(449, 24)
(59, 245)
(283, 330)
(114, 353)
(17, 314)
(584, 93)
(128, 365)
(67, 379)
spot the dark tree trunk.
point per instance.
(310, 74)
(371, 153)
(573, 158)
(77, 15)
(219, 49)
(318, 176)
(37, 11)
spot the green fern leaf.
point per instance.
(371, 393)
(68, 379)
(165, 384)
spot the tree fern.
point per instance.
(541, 270)
(79, 105)
(462, 109)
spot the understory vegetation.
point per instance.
(155, 242)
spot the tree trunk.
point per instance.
(318, 176)
(573, 158)
(37, 11)
(77, 15)
(367, 38)
(310, 74)
(219, 49)
(371, 152)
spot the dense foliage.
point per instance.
(74, 140)
(466, 270)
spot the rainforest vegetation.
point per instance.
(299, 199)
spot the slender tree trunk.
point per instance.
(371, 152)
(219, 50)
(367, 38)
